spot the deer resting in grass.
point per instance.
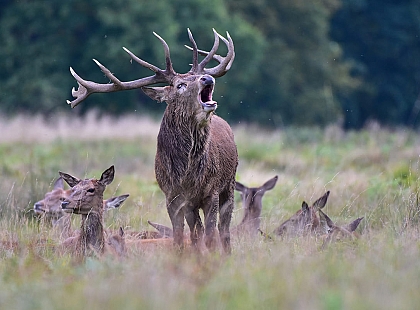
(196, 157)
(251, 203)
(86, 199)
(304, 221)
(50, 207)
(337, 233)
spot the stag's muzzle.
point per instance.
(206, 93)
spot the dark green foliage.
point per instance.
(288, 69)
(382, 40)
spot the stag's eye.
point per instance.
(182, 85)
(91, 190)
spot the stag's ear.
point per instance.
(59, 183)
(159, 94)
(107, 176)
(70, 180)
(115, 202)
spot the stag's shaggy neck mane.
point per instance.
(182, 144)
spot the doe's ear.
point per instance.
(353, 225)
(327, 219)
(270, 183)
(157, 93)
(305, 207)
(115, 202)
(59, 183)
(121, 232)
(321, 201)
(70, 180)
(107, 176)
(240, 187)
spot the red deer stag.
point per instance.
(86, 198)
(336, 233)
(303, 221)
(50, 207)
(196, 157)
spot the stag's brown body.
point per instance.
(195, 168)
(196, 156)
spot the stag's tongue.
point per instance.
(209, 106)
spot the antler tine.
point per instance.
(229, 42)
(169, 68)
(80, 94)
(210, 54)
(216, 57)
(141, 61)
(226, 62)
(88, 87)
(194, 67)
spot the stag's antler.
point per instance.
(224, 62)
(88, 87)
(161, 76)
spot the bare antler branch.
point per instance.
(88, 87)
(225, 63)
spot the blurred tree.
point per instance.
(33, 47)
(288, 70)
(302, 70)
(382, 39)
(43, 38)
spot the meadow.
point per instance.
(372, 173)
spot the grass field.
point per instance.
(373, 173)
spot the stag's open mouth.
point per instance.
(205, 97)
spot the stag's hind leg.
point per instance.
(210, 206)
(226, 202)
(196, 226)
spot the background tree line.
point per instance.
(297, 62)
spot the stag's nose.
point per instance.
(207, 80)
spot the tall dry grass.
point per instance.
(372, 173)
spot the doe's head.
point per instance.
(86, 195)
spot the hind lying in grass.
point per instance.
(50, 210)
(86, 199)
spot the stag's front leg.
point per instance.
(210, 219)
(225, 216)
(176, 214)
(196, 226)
